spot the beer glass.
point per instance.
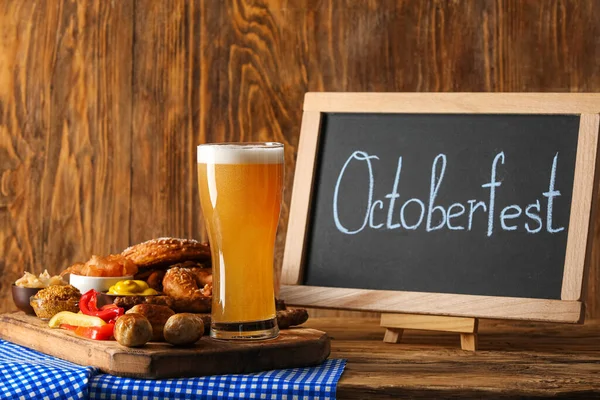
(240, 188)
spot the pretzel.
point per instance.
(164, 252)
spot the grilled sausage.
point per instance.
(132, 330)
(183, 329)
(157, 315)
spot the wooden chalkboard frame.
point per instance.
(569, 309)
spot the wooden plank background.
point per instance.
(103, 102)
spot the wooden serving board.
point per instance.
(298, 347)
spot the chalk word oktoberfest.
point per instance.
(430, 215)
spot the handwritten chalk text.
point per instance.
(431, 214)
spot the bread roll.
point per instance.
(157, 315)
(132, 330)
(183, 329)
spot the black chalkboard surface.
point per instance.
(380, 219)
(476, 205)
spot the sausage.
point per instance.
(291, 317)
(285, 318)
(206, 321)
(132, 330)
(157, 315)
(183, 329)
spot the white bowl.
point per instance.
(100, 284)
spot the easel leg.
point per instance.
(468, 341)
(393, 335)
(395, 325)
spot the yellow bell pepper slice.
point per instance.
(71, 318)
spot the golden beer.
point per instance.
(240, 192)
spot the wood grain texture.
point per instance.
(429, 322)
(395, 325)
(296, 235)
(436, 304)
(165, 123)
(453, 103)
(513, 361)
(65, 118)
(468, 341)
(106, 100)
(296, 347)
(393, 335)
(585, 182)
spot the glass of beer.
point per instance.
(240, 188)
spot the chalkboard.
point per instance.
(356, 241)
(457, 204)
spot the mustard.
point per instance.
(131, 288)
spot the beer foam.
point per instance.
(270, 153)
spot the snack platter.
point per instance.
(145, 313)
(296, 347)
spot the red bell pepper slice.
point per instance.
(88, 304)
(68, 327)
(104, 332)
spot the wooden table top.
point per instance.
(516, 360)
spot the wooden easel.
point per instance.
(395, 325)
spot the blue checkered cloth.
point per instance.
(298, 383)
(27, 374)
